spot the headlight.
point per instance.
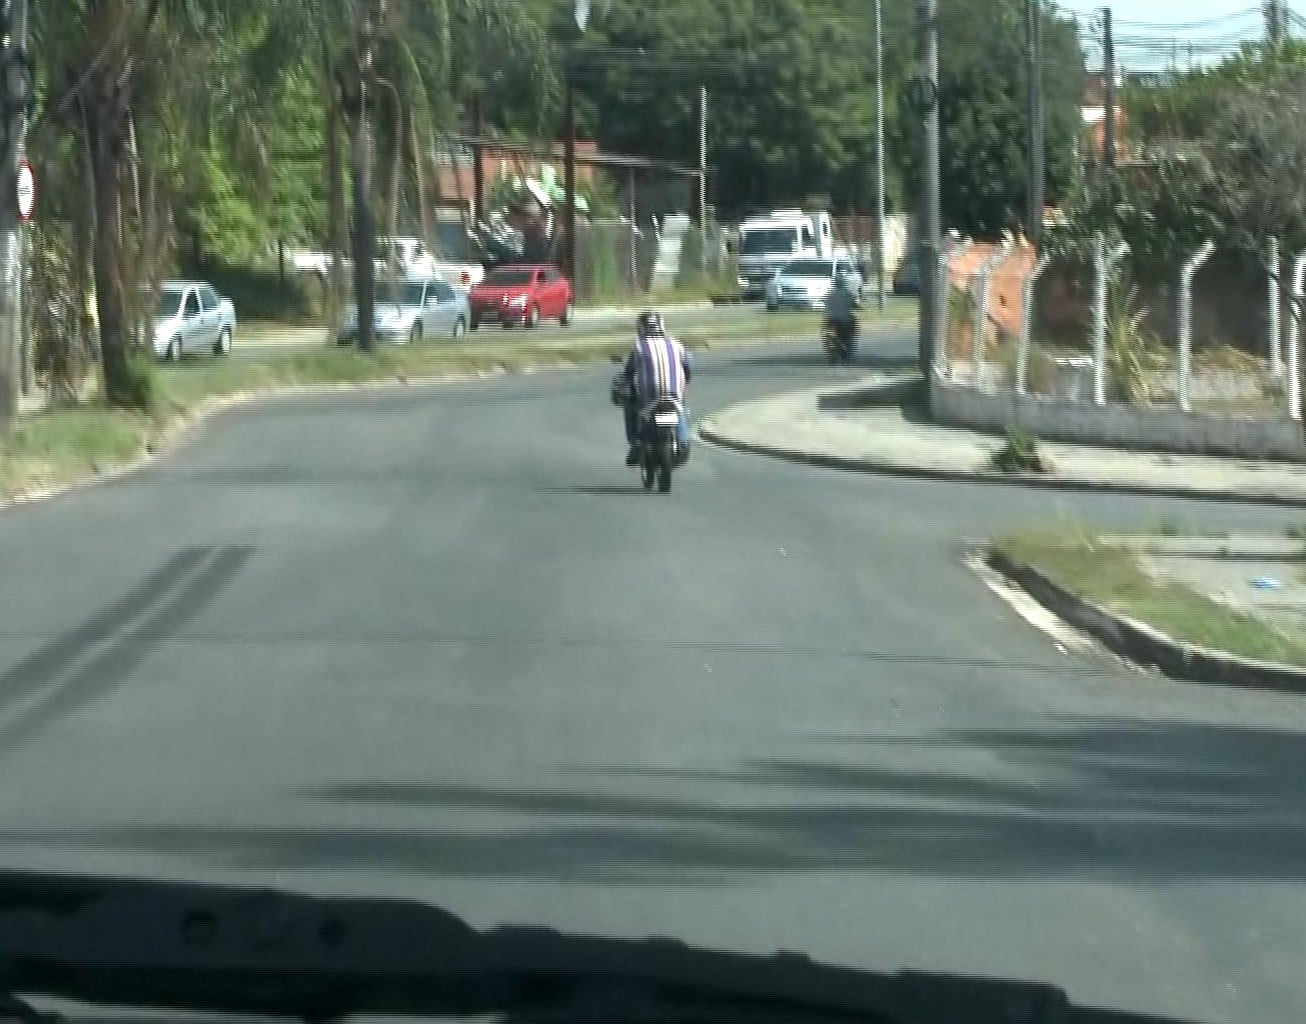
(517, 300)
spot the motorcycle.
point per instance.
(839, 340)
(661, 449)
(664, 445)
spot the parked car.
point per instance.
(803, 284)
(190, 316)
(409, 311)
(522, 294)
(907, 280)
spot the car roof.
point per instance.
(178, 284)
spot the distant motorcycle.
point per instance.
(839, 340)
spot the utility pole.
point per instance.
(1274, 22)
(370, 14)
(569, 179)
(1109, 92)
(17, 94)
(702, 176)
(1034, 52)
(478, 159)
(879, 157)
(925, 98)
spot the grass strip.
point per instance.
(1110, 575)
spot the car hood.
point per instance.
(497, 293)
(382, 310)
(809, 283)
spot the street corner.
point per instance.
(1200, 608)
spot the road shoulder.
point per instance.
(891, 436)
(1103, 587)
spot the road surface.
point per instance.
(435, 644)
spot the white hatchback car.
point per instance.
(191, 317)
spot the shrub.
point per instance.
(140, 386)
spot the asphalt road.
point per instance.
(435, 644)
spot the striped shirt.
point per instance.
(660, 363)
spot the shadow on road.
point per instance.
(1139, 803)
(598, 490)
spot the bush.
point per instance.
(140, 386)
(257, 292)
(1020, 454)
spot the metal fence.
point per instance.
(617, 260)
(1214, 335)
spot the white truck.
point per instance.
(409, 257)
(769, 243)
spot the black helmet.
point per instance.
(649, 323)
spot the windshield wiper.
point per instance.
(202, 948)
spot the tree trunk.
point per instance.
(396, 172)
(101, 125)
(335, 193)
(419, 178)
(90, 315)
(364, 242)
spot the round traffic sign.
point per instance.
(26, 191)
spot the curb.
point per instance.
(607, 312)
(866, 396)
(1139, 642)
(712, 434)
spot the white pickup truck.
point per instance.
(769, 243)
(408, 256)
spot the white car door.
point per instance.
(211, 306)
(192, 322)
(445, 301)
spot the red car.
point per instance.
(521, 294)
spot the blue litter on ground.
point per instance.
(1266, 583)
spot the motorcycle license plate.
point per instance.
(666, 419)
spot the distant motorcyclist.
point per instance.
(841, 305)
(658, 367)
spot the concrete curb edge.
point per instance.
(1141, 643)
(710, 432)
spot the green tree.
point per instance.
(983, 113)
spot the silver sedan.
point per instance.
(409, 311)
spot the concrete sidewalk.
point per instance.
(875, 431)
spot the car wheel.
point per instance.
(223, 347)
(173, 355)
(459, 328)
(416, 336)
(567, 314)
(533, 317)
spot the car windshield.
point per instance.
(756, 241)
(510, 277)
(809, 268)
(483, 596)
(402, 293)
(168, 303)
